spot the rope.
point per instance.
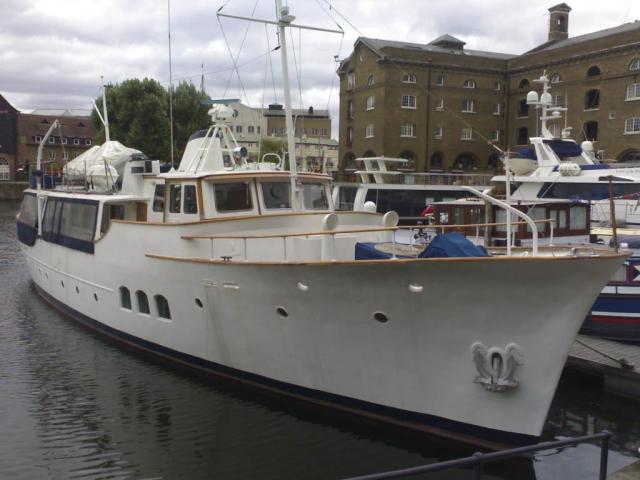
(624, 363)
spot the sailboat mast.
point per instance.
(284, 19)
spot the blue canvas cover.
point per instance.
(564, 148)
(368, 251)
(452, 245)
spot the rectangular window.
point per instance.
(258, 128)
(276, 195)
(632, 125)
(497, 86)
(274, 130)
(438, 132)
(52, 155)
(38, 138)
(158, 198)
(468, 106)
(174, 198)
(409, 101)
(406, 130)
(495, 136)
(314, 196)
(76, 141)
(314, 132)
(497, 108)
(65, 155)
(52, 139)
(70, 223)
(238, 128)
(440, 104)
(466, 134)
(232, 197)
(250, 129)
(368, 131)
(64, 140)
(87, 141)
(190, 199)
(324, 132)
(558, 100)
(633, 91)
(351, 81)
(440, 80)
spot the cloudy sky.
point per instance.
(52, 54)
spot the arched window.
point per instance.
(407, 130)
(411, 160)
(143, 302)
(593, 71)
(349, 135)
(556, 78)
(162, 306)
(632, 155)
(369, 154)
(524, 83)
(371, 81)
(466, 161)
(371, 102)
(591, 131)
(125, 298)
(436, 161)
(635, 64)
(592, 99)
(469, 83)
(494, 161)
(369, 131)
(408, 78)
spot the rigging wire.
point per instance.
(273, 78)
(170, 79)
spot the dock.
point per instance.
(618, 364)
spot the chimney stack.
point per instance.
(559, 22)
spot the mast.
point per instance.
(106, 114)
(284, 19)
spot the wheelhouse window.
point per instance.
(162, 306)
(158, 198)
(276, 195)
(175, 192)
(190, 199)
(125, 298)
(29, 210)
(232, 197)
(70, 222)
(314, 196)
(143, 302)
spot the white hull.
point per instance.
(417, 369)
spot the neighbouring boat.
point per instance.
(245, 271)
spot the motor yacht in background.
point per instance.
(246, 271)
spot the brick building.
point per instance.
(21, 133)
(440, 105)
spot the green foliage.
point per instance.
(271, 145)
(139, 116)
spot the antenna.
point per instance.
(170, 80)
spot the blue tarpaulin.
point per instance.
(564, 148)
(452, 245)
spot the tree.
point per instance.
(190, 109)
(271, 145)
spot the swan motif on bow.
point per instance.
(497, 366)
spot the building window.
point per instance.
(524, 83)
(37, 139)
(371, 81)
(52, 155)
(368, 131)
(87, 141)
(52, 139)
(351, 81)
(349, 135)
(350, 109)
(556, 78)
(63, 140)
(558, 100)
(371, 103)
(65, 155)
(497, 86)
(250, 129)
(440, 104)
(635, 64)
(522, 136)
(314, 132)
(437, 132)
(324, 132)
(632, 125)
(408, 78)
(466, 134)
(162, 306)
(407, 130)
(76, 141)
(592, 99)
(523, 108)
(409, 101)
(469, 83)
(440, 80)
(469, 106)
(591, 131)
(495, 136)
(258, 129)
(143, 302)
(497, 108)
(238, 128)
(125, 298)
(436, 161)
(593, 71)
(633, 91)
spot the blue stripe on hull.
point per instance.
(617, 303)
(459, 431)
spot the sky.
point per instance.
(53, 54)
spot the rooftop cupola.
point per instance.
(559, 22)
(448, 41)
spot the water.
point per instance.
(73, 405)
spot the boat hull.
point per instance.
(312, 331)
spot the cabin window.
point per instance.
(162, 305)
(143, 302)
(78, 220)
(158, 198)
(578, 218)
(276, 194)
(70, 222)
(232, 197)
(174, 198)
(29, 211)
(125, 298)
(190, 199)
(314, 196)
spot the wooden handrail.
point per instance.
(286, 235)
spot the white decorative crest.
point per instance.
(497, 366)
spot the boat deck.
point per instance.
(617, 363)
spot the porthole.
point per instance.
(95, 296)
(380, 317)
(282, 312)
(198, 302)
